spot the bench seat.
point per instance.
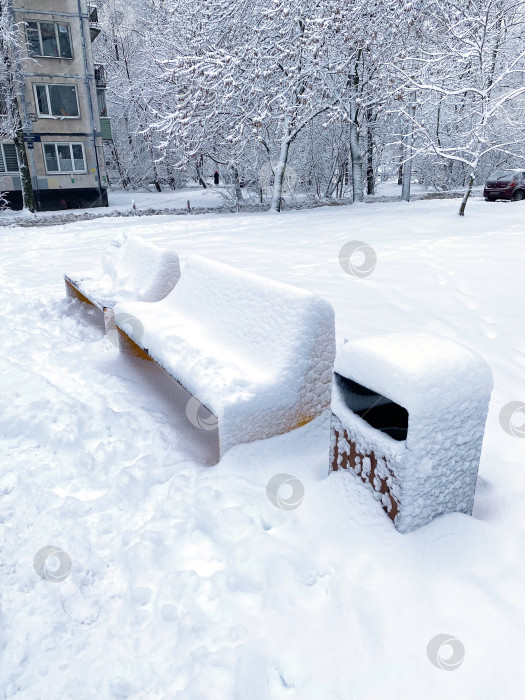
(258, 354)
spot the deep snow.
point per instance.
(186, 581)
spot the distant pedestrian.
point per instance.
(216, 177)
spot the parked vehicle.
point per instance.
(505, 184)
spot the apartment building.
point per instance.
(62, 105)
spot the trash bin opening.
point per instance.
(377, 410)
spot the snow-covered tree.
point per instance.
(467, 77)
(11, 86)
(339, 93)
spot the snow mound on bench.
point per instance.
(257, 353)
(131, 269)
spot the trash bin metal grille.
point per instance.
(371, 469)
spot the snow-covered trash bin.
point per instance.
(131, 269)
(408, 418)
(257, 354)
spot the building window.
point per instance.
(56, 100)
(64, 157)
(8, 159)
(49, 39)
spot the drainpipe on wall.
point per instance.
(90, 101)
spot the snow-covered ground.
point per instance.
(187, 582)
(168, 199)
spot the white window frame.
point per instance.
(54, 116)
(4, 163)
(42, 55)
(64, 143)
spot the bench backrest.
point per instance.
(270, 324)
(142, 270)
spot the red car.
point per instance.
(505, 184)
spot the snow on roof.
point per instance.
(419, 371)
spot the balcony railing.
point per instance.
(100, 76)
(94, 25)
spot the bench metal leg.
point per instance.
(109, 320)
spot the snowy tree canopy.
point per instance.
(324, 97)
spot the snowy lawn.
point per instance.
(168, 199)
(186, 581)
(123, 200)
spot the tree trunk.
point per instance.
(467, 195)
(355, 154)
(407, 176)
(123, 177)
(370, 181)
(278, 176)
(400, 167)
(171, 177)
(407, 167)
(12, 66)
(334, 185)
(199, 175)
(156, 180)
(237, 185)
(28, 194)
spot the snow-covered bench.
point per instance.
(257, 354)
(135, 269)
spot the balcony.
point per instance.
(100, 76)
(94, 24)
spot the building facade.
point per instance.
(62, 105)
